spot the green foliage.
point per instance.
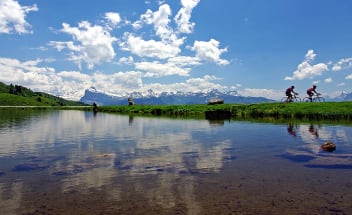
(15, 95)
(17, 90)
(3, 88)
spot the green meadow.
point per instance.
(16, 95)
(303, 110)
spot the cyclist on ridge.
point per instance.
(311, 91)
(290, 92)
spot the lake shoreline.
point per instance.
(312, 111)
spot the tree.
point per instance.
(11, 89)
(18, 90)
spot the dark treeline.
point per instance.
(20, 91)
(16, 90)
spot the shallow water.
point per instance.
(75, 162)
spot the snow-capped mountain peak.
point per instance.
(151, 97)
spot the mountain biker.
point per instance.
(311, 91)
(290, 92)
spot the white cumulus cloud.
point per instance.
(156, 69)
(91, 44)
(328, 80)
(306, 69)
(342, 64)
(160, 20)
(201, 84)
(209, 51)
(66, 84)
(150, 48)
(30, 74)
(185, 61)
(113, 18)
(118, 83)
(126, 60)
(13, 17)
(183, 16)
(342, 84)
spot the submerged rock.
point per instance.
(298, 156)
(330, 162)
(29, 167)
(328, 146)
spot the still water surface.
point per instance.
(75, 162)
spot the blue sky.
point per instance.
(255, 47)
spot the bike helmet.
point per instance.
(314, 86)
(293, 87)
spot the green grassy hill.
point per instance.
(15, 95)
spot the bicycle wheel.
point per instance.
(296, 99)
(307, 99)
(284, 100)
(319, 99)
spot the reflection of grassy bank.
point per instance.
(312, 111)
(13, 117)
(293, 121)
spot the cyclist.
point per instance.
(311, 91)
(289, 93)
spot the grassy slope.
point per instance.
(13, 100)
(7, 99)
(325, 110)
(26, 97)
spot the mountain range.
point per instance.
(92, 95)
(344, 96)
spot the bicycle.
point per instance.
(314, 98)
(295, 98)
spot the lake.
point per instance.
(76, 162)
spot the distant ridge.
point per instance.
(344, 96)
(92, 95)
